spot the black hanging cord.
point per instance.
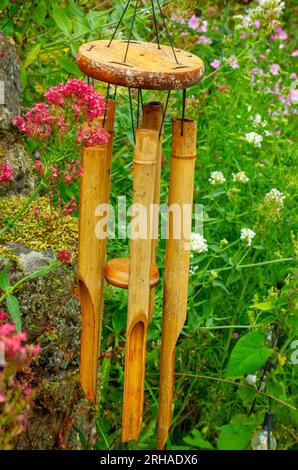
(155, 24)
(183, 111)
(106, 108)
(120, 21)
(167, 31)
(164, 114)
(115, 92)
(131, 114)
(131, 29)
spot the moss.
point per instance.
(58, 232)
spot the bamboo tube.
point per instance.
(152, 119)
(95, 188)
(139, 285)
(176, 267)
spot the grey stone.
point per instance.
(33, 261)
(10, 84)
(15, 155)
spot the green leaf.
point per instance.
(14, 311)
(265, 306)
(234, 436)
(40, 12)
(4, 281)
(32, 55)
(68, 65)
(248, 355)
(62, 20)
(197, 441)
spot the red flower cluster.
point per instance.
(6, 173)
(38, 122)
(64, 257)
(91, 137)
(70, 207)
(73, 101)
(14, 348)
(80, 96)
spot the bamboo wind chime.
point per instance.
(141, 66)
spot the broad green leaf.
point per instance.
(32, 55)
(62, 20)
(196, 440)
(40, 12)
(248, 355)
(4, 281)
(68, 66)
(14, 311)
(234, 436)
(41, 272)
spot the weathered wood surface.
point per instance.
(176, 267)
(146, 67)
(95, 188)
(139, 286)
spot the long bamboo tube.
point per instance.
(176, 265)
(139, 285)
(95, 188)
(152, 119)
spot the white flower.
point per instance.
(275, 197)
(193, 269)
(251, 379)
(217, 177)
(247, 235)
(257, 121)
(254, 138)
(240, 177)
(198, 243)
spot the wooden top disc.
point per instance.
(117, 273)
(146, 66)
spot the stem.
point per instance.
(218, 379)
(11, 289)
(23, 209)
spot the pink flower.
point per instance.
(64, 257)
(233, 62)
(2, 397)
(193, 22)
(293, 76)
(204, 40)
(243, 35)
(295, 53)
(36, 211)
(274, 69)
(261, 57)
(90, 137)
(204, 27)
(235, 334)
(3, 316)
(6, 173)
(211, 10)
(257, 24)
(85, 101)
(215, 64)
(280, 34)
(38, 167)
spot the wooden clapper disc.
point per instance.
(141, 65)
